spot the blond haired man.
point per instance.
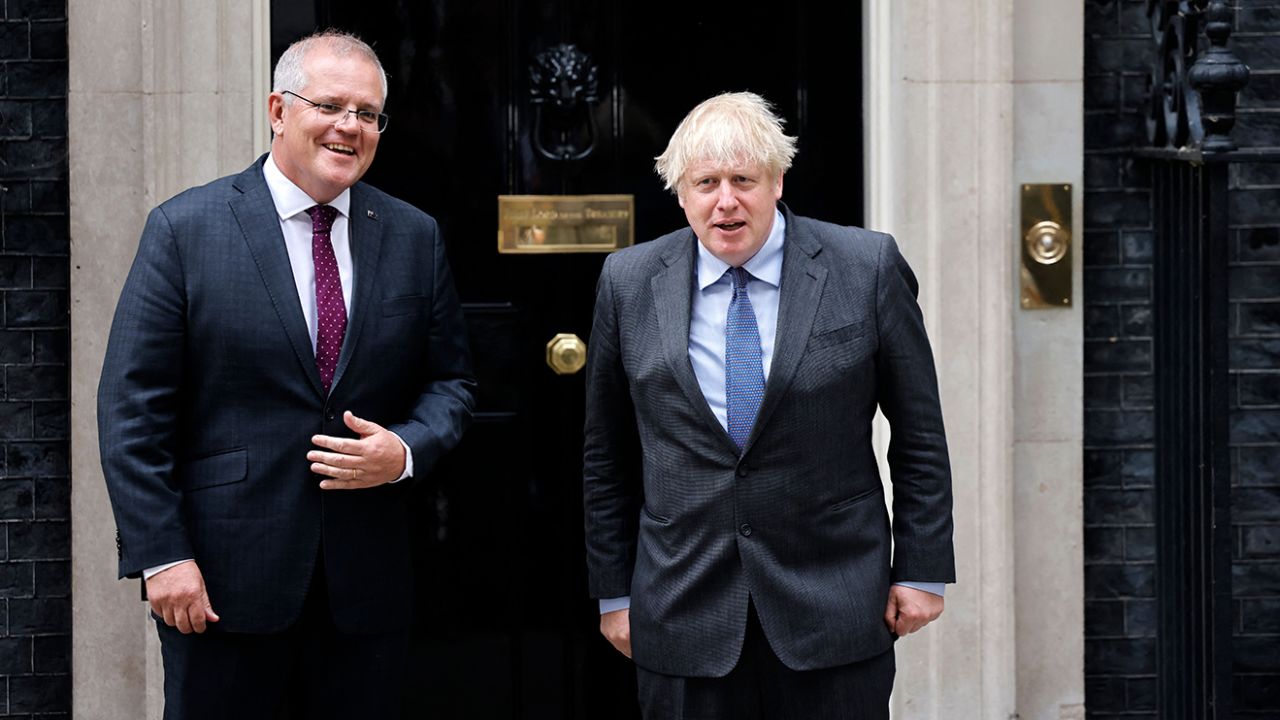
(737, 534)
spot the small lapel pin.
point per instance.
(372, 214)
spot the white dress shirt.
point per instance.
(291, 207)
(291, 204)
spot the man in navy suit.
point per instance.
(737, 534)
(288, 353)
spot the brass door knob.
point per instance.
(566, 354)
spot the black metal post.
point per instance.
(1192, 114)
(1193, 485)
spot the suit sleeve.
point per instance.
(907, 391)
(611, 455)
(444, 407)
(138, 400)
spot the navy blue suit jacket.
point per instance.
(210, 395)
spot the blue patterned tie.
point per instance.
(743, 366)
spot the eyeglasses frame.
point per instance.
(379, 126)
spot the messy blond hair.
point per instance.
(728, 129)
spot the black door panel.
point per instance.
(503, 625)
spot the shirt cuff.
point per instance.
(146, 574)
(938, 589)
(408, 460)
(608, 605)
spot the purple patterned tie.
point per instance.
(331, 311)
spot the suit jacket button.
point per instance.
(742, 471)
(329, 417)
(745, 529)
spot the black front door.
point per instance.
(504, 628)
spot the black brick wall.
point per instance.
(1119, 432)
(1255, 358)
(35, 490)
(1255, 392)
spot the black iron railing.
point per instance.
(1194, 82)
(1193, 485)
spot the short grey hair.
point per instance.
(292, 76)
(728, 129)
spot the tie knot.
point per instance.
(322, 217)
(740, 277)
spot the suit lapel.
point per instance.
(366, 248)
(802, 280)
(672, 292)
(256, 214)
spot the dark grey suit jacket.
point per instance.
(210, 395)
(689, 529)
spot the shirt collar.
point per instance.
(765, 265)
(291, 200)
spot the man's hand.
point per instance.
(375, 459)
(616, 628)
(177, 594)
(910, 609)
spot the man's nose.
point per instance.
(346, 120)
(726, 197)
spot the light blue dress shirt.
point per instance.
(707, 317)
(709, 313)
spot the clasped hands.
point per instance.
(178, 596)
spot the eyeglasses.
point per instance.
(368, 119)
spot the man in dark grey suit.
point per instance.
(288, 352)
(736, 527)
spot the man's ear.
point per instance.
(777, 190)
(275, 112)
